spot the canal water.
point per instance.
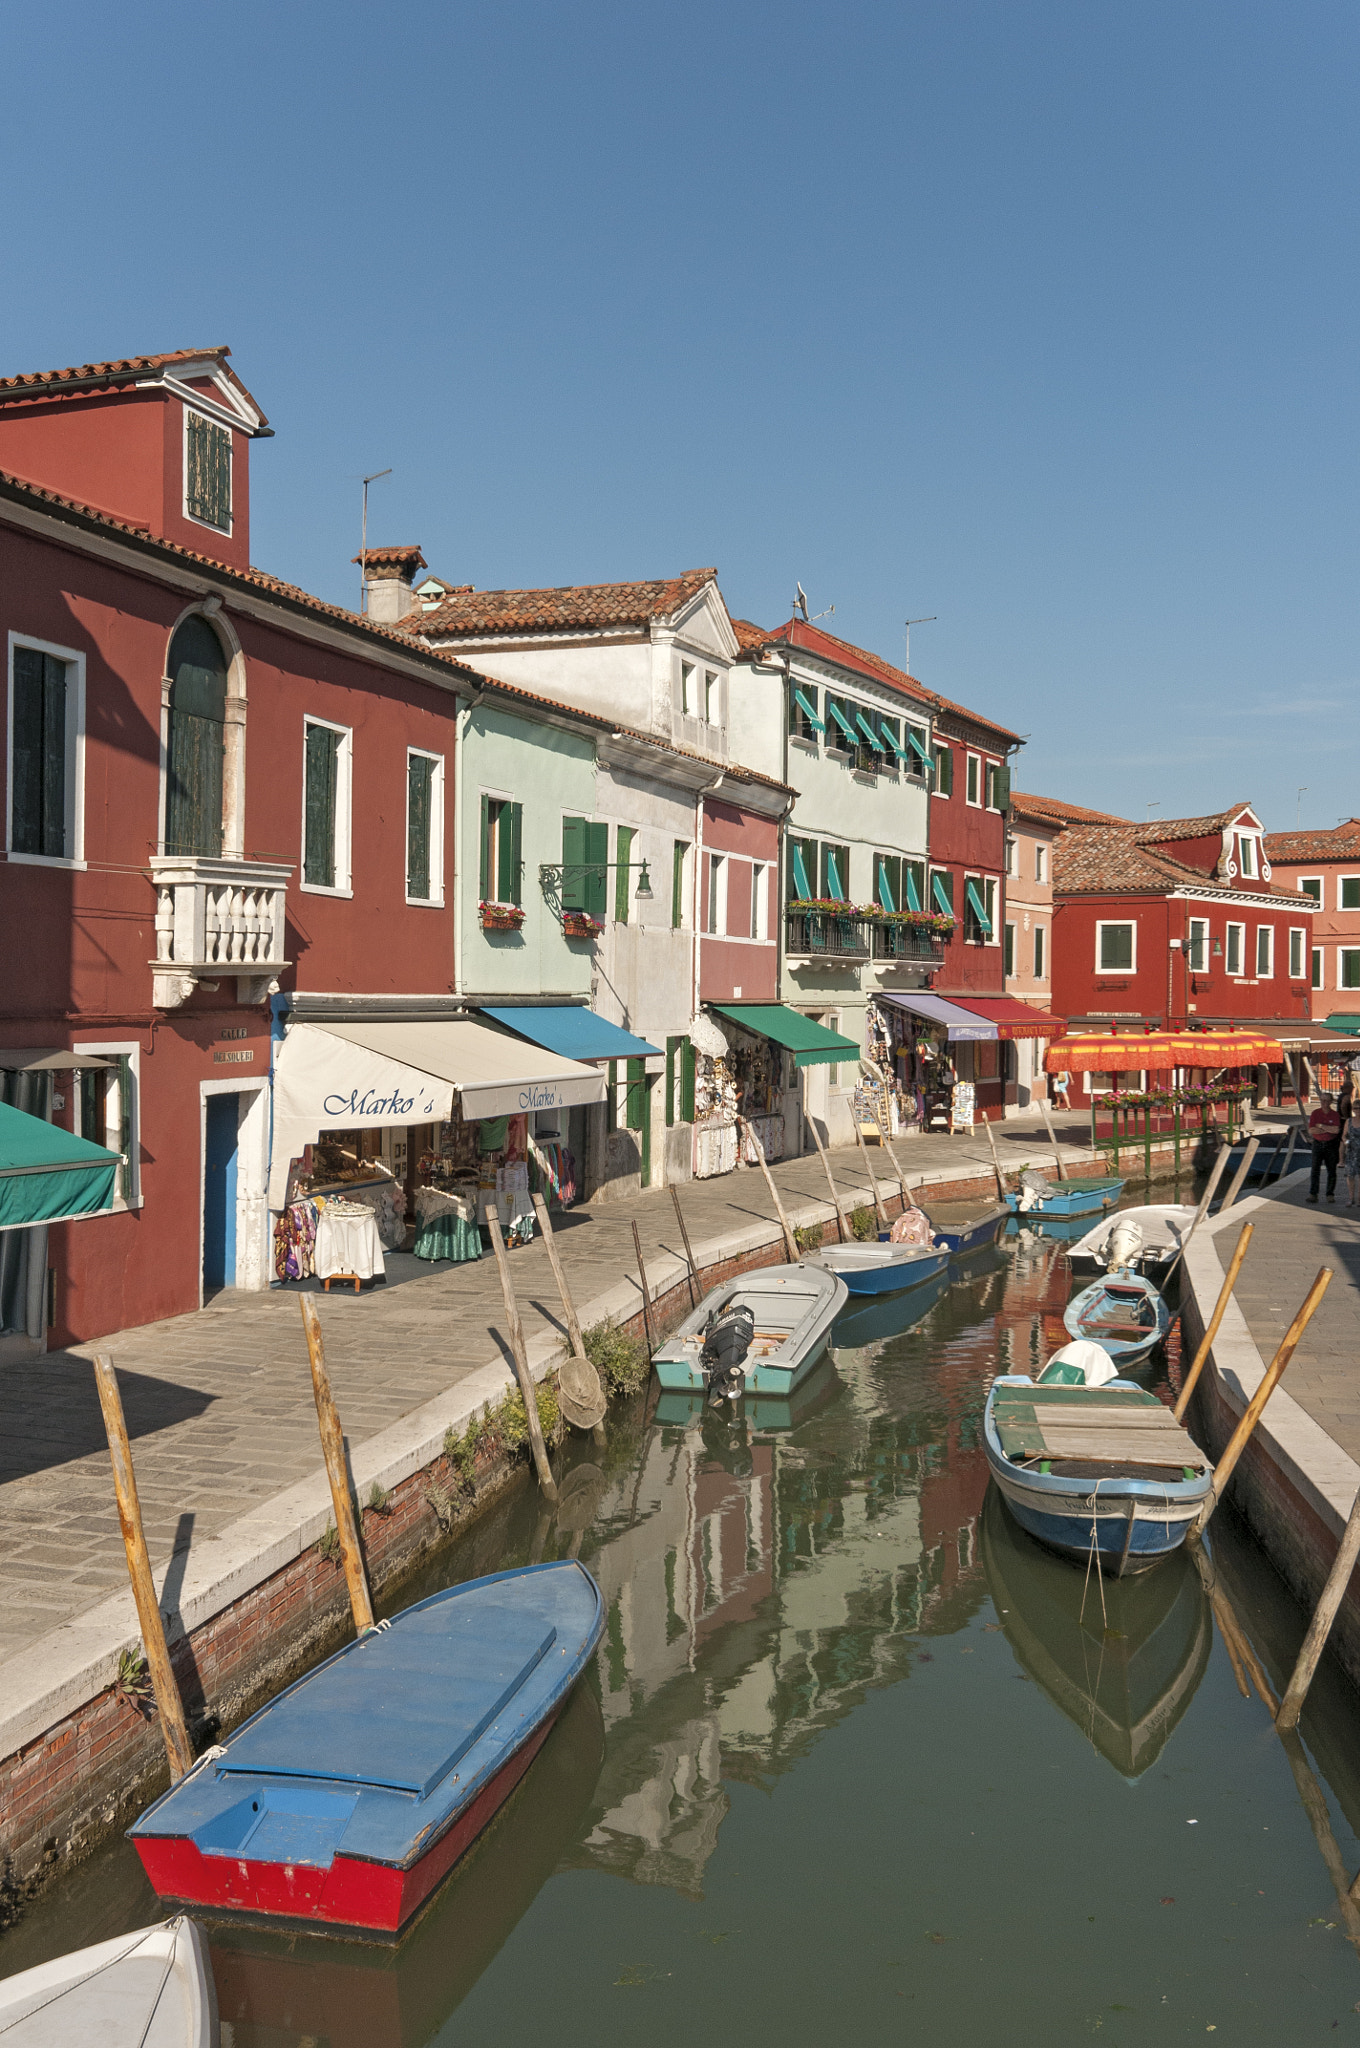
(858, 1761)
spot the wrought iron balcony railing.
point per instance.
(904, 942)
(825, 935)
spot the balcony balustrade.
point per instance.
(824, 935)
(217, 918)
(906, 943)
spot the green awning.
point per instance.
(914, 740)
(873, 738)
(812, 1045)
(977, 906)
(1344, 1020)
(808, 709)
(843, 722)
(941, 896)
(833, 876)
(910, 890)
(47, 1175)
(800, 879)
(885, 894)
(885, 727)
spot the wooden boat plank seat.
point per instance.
(1139, 1430)
(1128, 1450)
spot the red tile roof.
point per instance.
(125, 370)
(1058, 813)
(1342, 842)
(1117, 860)
(476, 613)
(802, 633)
(1158, 830)
(392, 558)
(750, 637)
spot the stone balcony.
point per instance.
(217, 919)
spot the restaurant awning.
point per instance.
(575, 1032)
(962, 1027)
(1344, 1020)
(376, 1075)
(812, 1045)
(47, 1175)
(1014, 1019)
(1156, 1052)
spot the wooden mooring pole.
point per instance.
(1243, 1170)
(1338, 1578)
(842, 1220)
(333, 1450)
(790, 1241)
(646, 1293)
(1052, 1138)
(903, 1190)
(879, 1211)
(520, 1358)
(579, 1390)
(1270, 1379)
(996, 1163)
(1211, 1186)
(696, 1287)
(169, 1705)
(1220, 1310)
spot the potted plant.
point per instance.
(500, 917)
(579, 924)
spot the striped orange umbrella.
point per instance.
(1109, 1052)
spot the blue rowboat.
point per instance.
(971, 1237)
(1121, 1312)
(348, 1799)
(790, 1310)
(1103, 1471)
(1068, 1198)
(882, 1267)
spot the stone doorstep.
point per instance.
(75, 1662)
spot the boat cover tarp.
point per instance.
(812, 1045)
(46, 1174)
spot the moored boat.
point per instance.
(1121, 1312)
(760, 1334)
(1038, 1197)
(152, 1988)
(1161, 1227)
(759, 1411)
(1101, 1472)
(959, 1237)
(881, 1267)
(346, 1800)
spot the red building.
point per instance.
(202, 779)
(1177, 924)
(969, 809)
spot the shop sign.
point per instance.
(512, 1097)
(368, 1106)
(232, 1059)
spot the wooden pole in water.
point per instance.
(790, 1241)
(1269, 1381)
(1338, 1578)
(646, 1292)
(1215, 1176)
(1220, 1310)
(695, 1284)
(169, 1705)
(879, 1211)
(903, 1189)
(1243, 1170)
(578, 1382)
(333, 1450)
(996, 1163)
(520, 1357)
(1052, 1138)
(842, 1220)
(568, 1305)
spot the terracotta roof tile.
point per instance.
(1159, 829)
(1342, 842)
(1116, 860)
(803, 633)
(480, 612)
(750, 637)
(1059, 813)
(124, 370)
(392, 558)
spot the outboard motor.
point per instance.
(1124, 1245)
(727, 1340)
(1033, 1189)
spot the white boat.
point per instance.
(152, 1988)
(760, 1334)
(1161, 1227)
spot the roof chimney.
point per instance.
(389, 574)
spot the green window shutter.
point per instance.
(611, 1100)
(872, 738)
(127, 1173)
(1002, 789)
(207, 490)
(637, 1077)
(39, 754)
(419, 780)
(942, 893)
(919, 748)
(883, 890)
(888, 728)
(623, 853)
(847, 730)
(944, 771)
(507, 852)
(913, 884)
(319, 858)
(597, 875)
(687, 1082)
(573, 859)
(484, 861)
(677, 885)
(198, 710)
(1008, 949)
(975, 903)
(802, 890)
(516, 813)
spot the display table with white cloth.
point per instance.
(446, 1224)
(347, 1243)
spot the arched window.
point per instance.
(198, 709)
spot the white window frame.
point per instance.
(223, 533)
(689, 688)
(1298, 951)
(1321, 897)
(1316, 968)
(991, 898)
(1248, 851)
(1341, 953)
(990, 768)
(712, 697)
(1012, 859)
(716, 906)
(1104, 924)
(760, 901)
(1040, 946)
(1040, 861)
(108, 1048)
(1197, 962)
(1266, 973)
(937, 747)
(1238, 973)
(344, 777)
(1341, 880)
(972, 779)
(435, 899)
(73, 825)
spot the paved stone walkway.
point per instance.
(1290, 1241)
(219, 1403)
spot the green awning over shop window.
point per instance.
(812, 1045)
(1344, 1020)
(47, 1175)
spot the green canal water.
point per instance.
(855, 1763)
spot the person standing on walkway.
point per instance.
(1350, 1163)
(1324, 1129)
(1061, 1084)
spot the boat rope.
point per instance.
(109, 1963)
(209, 1756)
(1093, 1557)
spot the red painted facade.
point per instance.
(734, 967)
(968, 843)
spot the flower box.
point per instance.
(579, 924)
(500, 917)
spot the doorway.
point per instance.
(221, 1149)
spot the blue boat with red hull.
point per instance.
(346, 1801)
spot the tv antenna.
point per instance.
(800, 605)
(1298, 804)
(909, 623)
(363, 541)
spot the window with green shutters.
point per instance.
(104, 1107)
(623, 854)
(419, 795)
(322, 783)
(678, 850)
(687, 1066)
(800, 870)
(836, 872)
(585, 865)
(38, 754)
(501, 878)
(196, 740)
(944, 771)
(207, 472)
(888, 881)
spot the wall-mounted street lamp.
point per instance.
(552, 874)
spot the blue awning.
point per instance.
(575, 1032)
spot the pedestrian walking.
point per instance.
(1324, 1130)
(1061, 1084)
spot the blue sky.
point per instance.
(1041, 318)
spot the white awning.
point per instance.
(367, 1076)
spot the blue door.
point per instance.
(219, 1192)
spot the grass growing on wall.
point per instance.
(620, 1360)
